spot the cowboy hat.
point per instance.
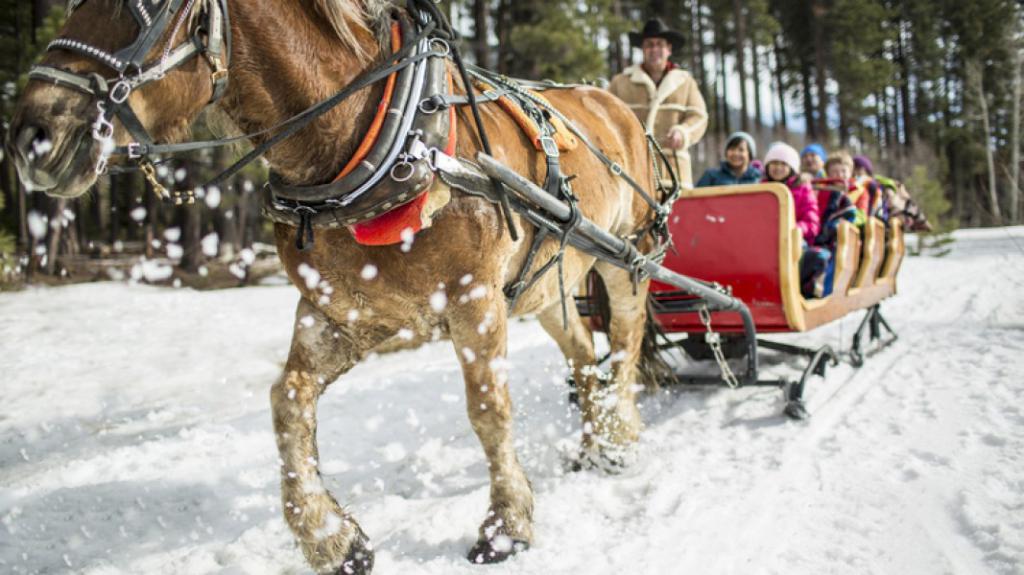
(656, 28)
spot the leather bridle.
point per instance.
(211, 38)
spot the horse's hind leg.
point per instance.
(330, 539)
(479, 333)
(574, 339)
(611, 420)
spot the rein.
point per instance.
(407, 139)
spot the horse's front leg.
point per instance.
(479, 333)
(329, 537)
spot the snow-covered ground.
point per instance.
(135, 437)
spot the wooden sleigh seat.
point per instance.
(746, 238)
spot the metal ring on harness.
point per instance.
(446, 48)
(394, 171)
(430, 105)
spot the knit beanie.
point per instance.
(815, 149)
(746, 138)
(865, 163)
(783, 152)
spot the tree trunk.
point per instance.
(117, 187)
(55, 228)
(780, 83)
(755, 64)
(697, 44)
(904, 84)
(726, 121)
(149, 226)
(503, 30)
(39, 9)
(818, 9)
(881, 122)
(191, 237)
(805, 79)
(977, 78)
(1013, 193)
(741, 61)
(480, 32)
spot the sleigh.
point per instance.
(744, 239)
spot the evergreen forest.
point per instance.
(929, 89)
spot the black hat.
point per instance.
(655, 28)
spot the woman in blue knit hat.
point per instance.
(736, 169)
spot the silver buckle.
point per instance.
(547, 143)
(120, 91)
(134, 150)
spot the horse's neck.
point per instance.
(286, 59)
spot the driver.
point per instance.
(664, 97)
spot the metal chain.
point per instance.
(714, 341)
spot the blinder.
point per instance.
(211, 38)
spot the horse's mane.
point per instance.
(345, 16)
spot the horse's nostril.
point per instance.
(33, 143)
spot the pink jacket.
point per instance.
(805, 205)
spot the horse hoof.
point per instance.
(487, 551)
(359, 560)
(612, 461)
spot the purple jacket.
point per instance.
(805, 205)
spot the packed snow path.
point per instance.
(135, 437)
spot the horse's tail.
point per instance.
(653, 369)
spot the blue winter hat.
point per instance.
(815, 149)
(746, 138)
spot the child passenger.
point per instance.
(736, 169)
(812, 161)
(864, 176)
(782, 165)
(839, 168)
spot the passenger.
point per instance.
(902, 206)
(663, 96)
(782, 164)
(812, 162)
(834, 205)
(864, 176)
(839, 168)
(736, 168)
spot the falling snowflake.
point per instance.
(407, 236)
(37, 225)
(310, 275)
(438, 301)
(210, 244)
(478, 292)
(213, 197)
(369, 272)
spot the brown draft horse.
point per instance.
(287, 56)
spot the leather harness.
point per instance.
(411, 141)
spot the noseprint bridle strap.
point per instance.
(211, 38)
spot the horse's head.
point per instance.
(121, 72)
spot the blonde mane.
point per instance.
(346, 17)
